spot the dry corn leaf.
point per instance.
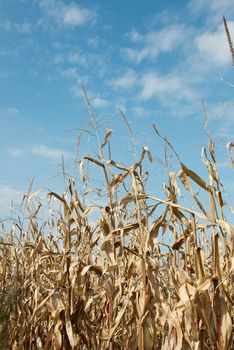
(226, 325)
(110, 278)
(230, 147)
(196, 178)
(120, 315)
(107, 137)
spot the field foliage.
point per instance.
(136, 272)
(106, 277)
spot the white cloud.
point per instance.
(77, 80)
(223, 111)
(11, 198)
(77, 91)
(7, 195)
(225, 164)
(75, 16)
(33, 72)
(134, 36)
(154, 43)
(177, 86)
(71, 15)
(93, 42)
(23, 27)
(223, 7)
(15, 152)
(51, 153)
(99, 102)
(6, 25)
(163, 87)
(126, 81)
(12, 110)
(9, 112)
(213, 46)
(120, 105)
(214, 9)
(58, 59)
(77, 58)
(70, 73)
(40, 150)
(139, 111)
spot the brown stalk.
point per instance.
(229, 39)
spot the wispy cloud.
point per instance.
(58, 58)
(225, 164)
(51, 153)
(140, 111)
(70, 73)
(39, 150)
(164, 87)
(22, 27)
(7, 195)
(76, 91)
(100, 102)
(153, 43)
(6, 25)
(121, 105)
(213, 45)
(125, 81)
(214, 9)
(93, 42)
(12, 110)
(221, 111)
(224, 132)
(71, 15)
(9, 112)
(175, 86)
(77, 80)
(75, 15)
(77, 58)
(15, 152)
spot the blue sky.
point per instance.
(154, 60)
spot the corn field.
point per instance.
(139, 272)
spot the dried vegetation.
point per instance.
(111, 280)
(107, 281)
